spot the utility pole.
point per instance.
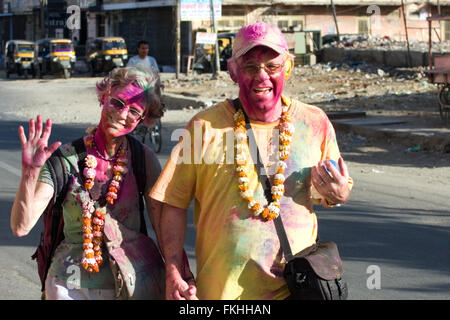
(406, 33)
(42, 17)
(216, 48)
(178, 38)
(335, 20)
(440, 21)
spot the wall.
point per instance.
(392, 58)
(154, 25)
(389, 23)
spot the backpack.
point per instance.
(53, 220)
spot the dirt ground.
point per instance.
(335, 88)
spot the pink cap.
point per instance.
(259, 34)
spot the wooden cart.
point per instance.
(439, 72)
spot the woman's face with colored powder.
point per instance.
(261, 79)
(122, 111)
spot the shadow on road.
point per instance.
(386, 235)
(406, 103)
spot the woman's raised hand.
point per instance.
(35, 150)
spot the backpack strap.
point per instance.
(53, 218)
(58, 173)
(139, 171)
(81, 152)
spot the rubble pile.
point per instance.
(386, 43)
(333, 87)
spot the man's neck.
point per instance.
(267, 116)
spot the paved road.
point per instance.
(394, 226)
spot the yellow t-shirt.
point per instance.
(238, 255)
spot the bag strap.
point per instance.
(265, 182)
(140, 174)
(58, 173)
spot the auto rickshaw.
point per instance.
(225, 48)
(55, 56)
(204, 53)
(104, 54)
(19, 58)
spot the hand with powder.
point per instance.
(35, 149)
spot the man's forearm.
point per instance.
(173, 232)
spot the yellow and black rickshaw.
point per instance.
(225, 48)
(105, 53)
(55, 56)
(19, 58)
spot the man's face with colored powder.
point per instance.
(261, 79)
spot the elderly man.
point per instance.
(237, 248)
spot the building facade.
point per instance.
(155, 20)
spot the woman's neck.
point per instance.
(106, 145)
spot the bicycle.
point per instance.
(152, 135)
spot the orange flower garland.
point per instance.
(286, 129)
(94, 219)
(119, 170)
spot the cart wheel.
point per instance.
(66, 73)
(444, 104)
(92, 69)
(155, 136)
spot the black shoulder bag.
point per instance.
(314, 273)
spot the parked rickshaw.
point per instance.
(204, 54)
(19, 58)
(439, 72)
(105, 53)
(225, 48)
(55, 56)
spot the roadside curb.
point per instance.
(431, 141)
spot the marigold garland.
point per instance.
(94, 219)
(286, 130)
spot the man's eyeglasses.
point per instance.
(270, 68)
(133, 115)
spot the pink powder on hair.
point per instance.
(131, 93)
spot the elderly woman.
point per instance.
(103, 254)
